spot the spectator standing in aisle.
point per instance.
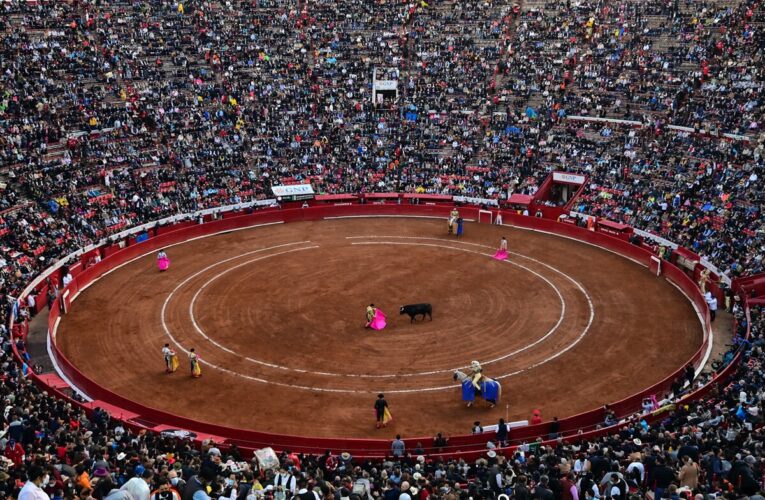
(397, 447)
(712, 303)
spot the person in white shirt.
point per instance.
(67, 278)
(304, 493)
(171, 360)
(581, 465)
(361, 483)
(31, 491)
(638, 466)
(138, 487)
(166, 355)
(285, 480)
(712, 303)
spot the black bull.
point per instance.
(416, 310)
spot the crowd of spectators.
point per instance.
(114, 114)
(117, 113)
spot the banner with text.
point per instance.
(570, 178)
(475, 201)
(293, 190)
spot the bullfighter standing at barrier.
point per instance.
(453, 216)
(703, 279)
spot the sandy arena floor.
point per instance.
(277, 315)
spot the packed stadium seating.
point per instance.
(118, 113)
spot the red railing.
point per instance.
(468, 446)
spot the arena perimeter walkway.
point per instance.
(276, 314)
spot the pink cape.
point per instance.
(163, 263)
(500, 255)
(378, 323)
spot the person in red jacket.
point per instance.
(536, 417)
(14, 451)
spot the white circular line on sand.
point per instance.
(201, 332)
(226, 370)
(576, 283)
(245, 263)
(355, 391)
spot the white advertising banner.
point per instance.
(386, 85)
(475, 201)
(656, 239)
(570, 178)
(293, 190)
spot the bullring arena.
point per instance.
(382, 250)
(275, 310)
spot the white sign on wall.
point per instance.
(475, 201)
(294, 190)
(386, 85)
(570, 178)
